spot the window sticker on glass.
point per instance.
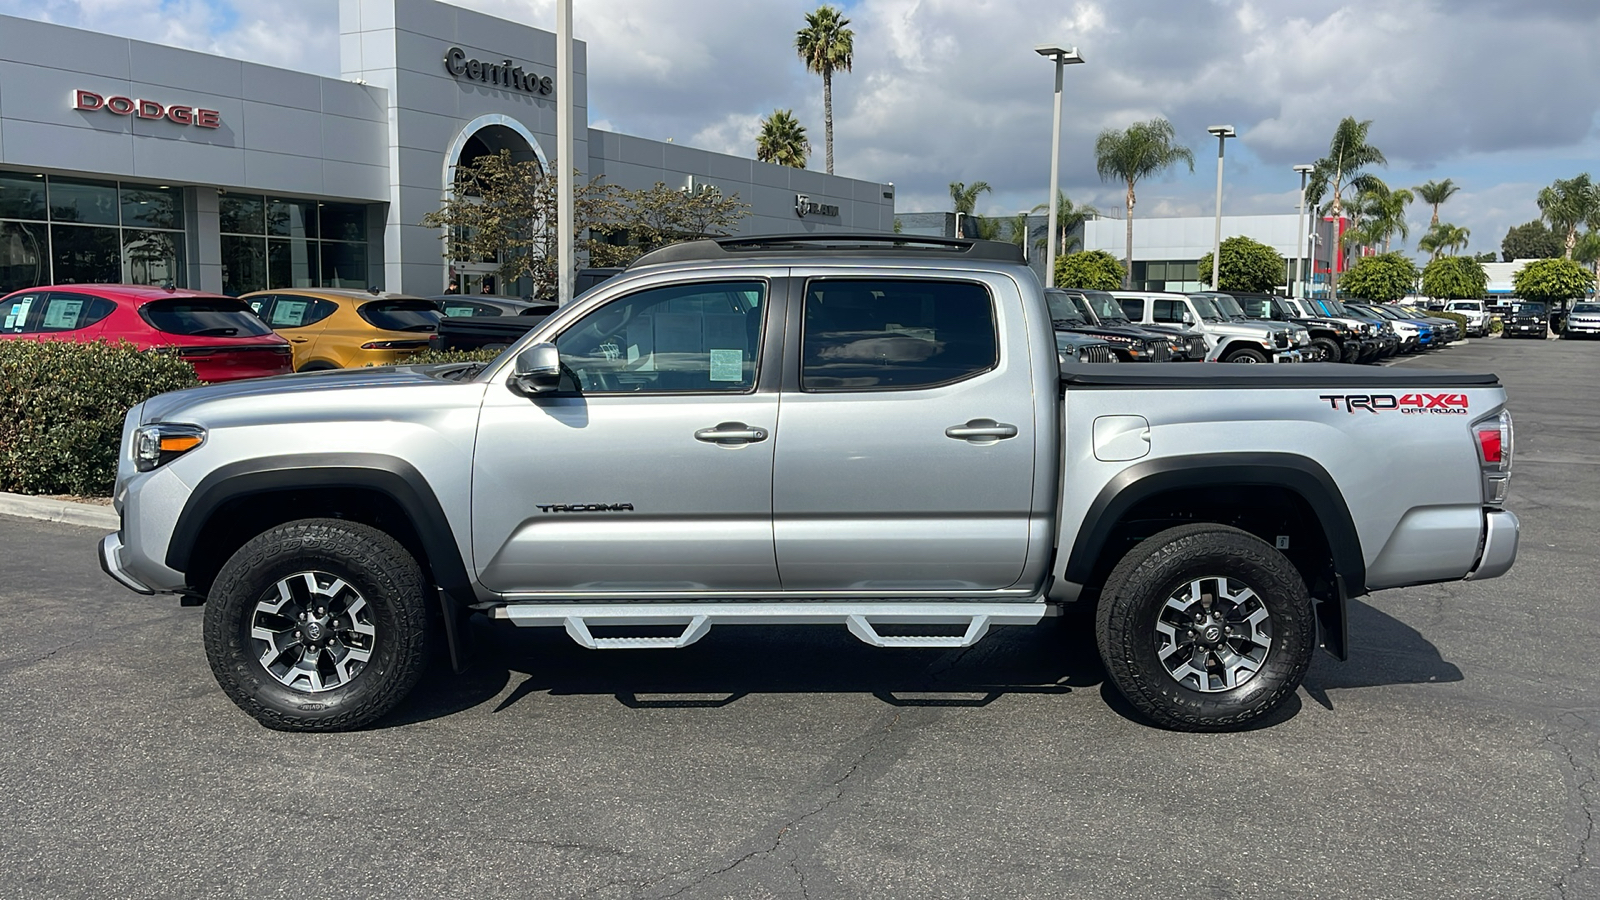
(62, 315)
(289, 313)
(727, 365)
(19, 315)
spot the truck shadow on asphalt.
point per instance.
(734, 662)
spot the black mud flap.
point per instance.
(455, 630)
(1333, 631)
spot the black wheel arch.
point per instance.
(1142, 484)
(237, 501)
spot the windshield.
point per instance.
(1474, 305)
(1289, 308)
(1230, 307)
(1255, 307)
(1586, 307)
(405, 314)
(204, 317)
(1063, 314)
(1206, 309)
(1530, 309)
(1383, 311)
(1106, 308)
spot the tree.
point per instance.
(1487, 256)
(1552, 281)
(1018, 231)
(1568, 203)
(1455, 278)
(1587, 250)
(1382, 213)
(506, 210)
(827, 46)
(1068, 218)
(1436, 192)
(1349, 155)
(1384, 278)
(783, 140)
(986, 228)
(1442, 237)
(1529, 241)
(965, 199)
(1247, 265)
(1094, 270)
(1144, 149)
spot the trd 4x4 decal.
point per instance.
(1409, 404)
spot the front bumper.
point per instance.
(1292, 355)
(1500, 532)
(1575, 327)
(111, 563)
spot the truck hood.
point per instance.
(171, 407)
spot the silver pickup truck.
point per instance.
(869, 431)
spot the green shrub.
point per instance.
(1496, 325)
(61, 410)
(430, 357)
(1455, 317)
(1384, 278)
(1094, 270)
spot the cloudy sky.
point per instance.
(1499, 95)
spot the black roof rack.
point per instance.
(851, 245)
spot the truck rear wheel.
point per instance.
(318, 625)
(1205, 628)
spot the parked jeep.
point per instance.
(1130, 344)
(1226, 341)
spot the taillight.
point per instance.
(1494, 438)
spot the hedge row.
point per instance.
(62, 406)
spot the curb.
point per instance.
(62, 511)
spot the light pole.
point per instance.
(565, 264)
(1223, 132)
(1063, 57)
(1300, 232)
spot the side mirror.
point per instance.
(536, 370)
(1188, 317)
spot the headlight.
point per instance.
(157, 445)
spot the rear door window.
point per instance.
(1169, 311)
(72, 312)
(289, 311)
(402, 314)
(1133, 308)
(204, 317)
(866, 335)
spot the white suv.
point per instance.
(1477, 315)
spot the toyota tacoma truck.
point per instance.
(869, 431)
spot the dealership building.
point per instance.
(127, 161)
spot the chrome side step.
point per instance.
(862, 619)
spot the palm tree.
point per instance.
(1146, 148)
(965, 198)
(1568, 203)
(1587, 250)
(1348, 154)
(1442, 237)
(783, 140)
(1019, 232)
(988, 228)
(826, 45)
(1068, 218)
(1436, 192)
(1383, 213)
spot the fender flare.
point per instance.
(1303, 476)
(394, 478)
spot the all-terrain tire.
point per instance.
(1135, 597)
(395, 624)
(1329, 349)
(1246, 355)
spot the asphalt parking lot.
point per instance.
(1455, 755)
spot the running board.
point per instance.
(862, 619)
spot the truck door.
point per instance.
(651, 470)
(906, 442)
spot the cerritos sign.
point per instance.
(500, 73)
(89, 101)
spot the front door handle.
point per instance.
(299, 340)
(981, 431)
(730, 434)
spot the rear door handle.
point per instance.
(730, 434)
(981, 431)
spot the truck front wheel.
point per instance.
(318, 625)
(1205, 628)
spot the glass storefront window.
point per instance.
(21, 196)
(84, 202)
(152, 257)
(292, 264)
(24, 256)
(244, 264)
(152, 207)
(344, 222)
(292, 218)
(344, 265)
(242, 214)
(85, 255)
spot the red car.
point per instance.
(218, 335)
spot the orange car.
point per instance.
(331, 328)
